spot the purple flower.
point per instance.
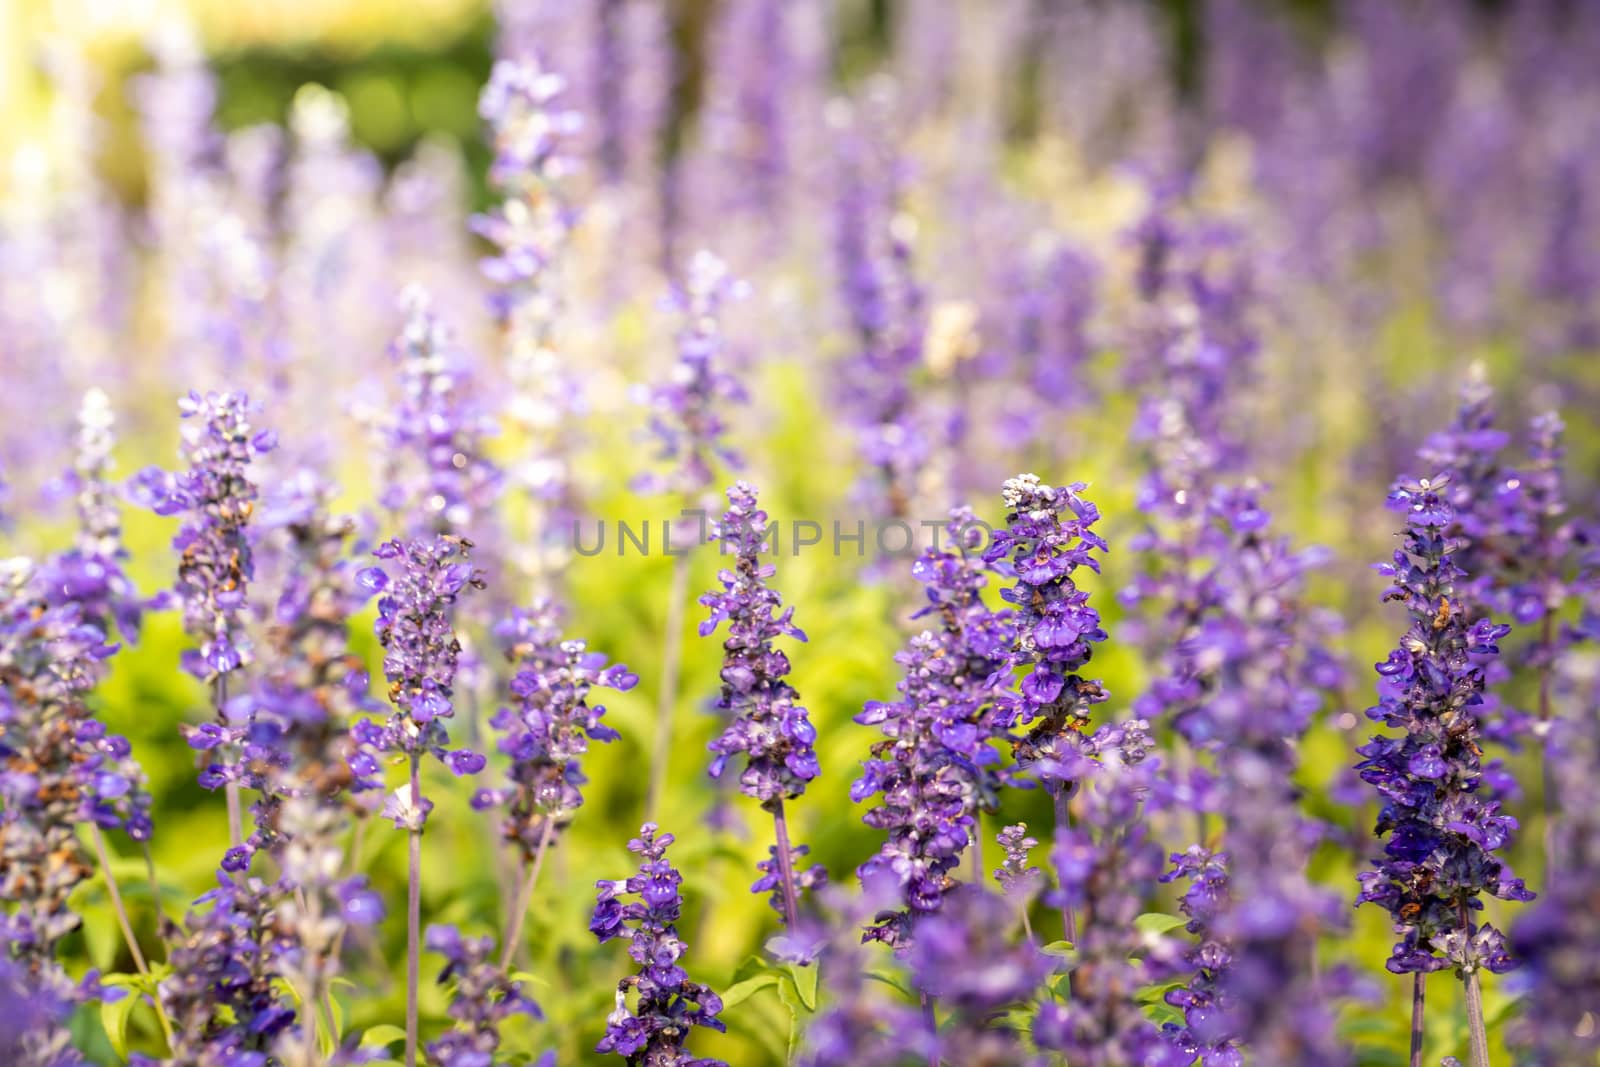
(484, 997)
(1441, 833)
(59, 768)
(884, 304)
(1106, 866)
(421, 652)
(1015, 875)
(217, 499)
(224, 995)
(1559, 939)
(436, 477)
(546, 732)
(766, 723)
(1049, 534)
(667, 1005)
(533, 131)
(935, 769)
(686, 411)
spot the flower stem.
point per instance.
(1478, 1036)
(413, 918)
(791, 906)
(671, 655)
(115, 894)
(1062, 795)
(1548, 830)
(231, 789)
(519, 910)
(932, 1023)
(1418, 991)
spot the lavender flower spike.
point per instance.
(421, 651)
(421, 654)
(438, 478)
(767, 724)
(1442, 834)
(935, 767)
(549, 730)
(91, 572)
(545, 736)
(484, 997)
(686, 410)
(1049, 535)
(217, 498)
(668, 1006)
(533, 134)
(1560, 938)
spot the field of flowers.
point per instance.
(833, 534)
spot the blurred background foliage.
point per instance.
(406, 71)
(413, 70)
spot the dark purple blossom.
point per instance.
(548, 729)
(484, 997)
(421, 653)
(765, 721)
(667, 1006)
(1442, 834)
(224, 995)
(216, 498)
(1049, 534)
(935, 769)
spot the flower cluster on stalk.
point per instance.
(224, 996)
(532, 131)
(217, 498)
(766, 722)
(1049, 534)
(883, 300)
(1106, 866)
(484, 997)
(935, 769)
(686, 411)
(288, 735)
(437, 477)
(1442, 835)
(1559, 939)
(548, 729)
(667, 1005)
(91, 572)
(1254, 668)
(59, 770)
(421, 654)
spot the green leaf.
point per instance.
(1060, 948)
(529, 978)
(752, 966)
(114, 1017)
(791, 1000)
(1155, 922)
(804, 980)
(890, 981)
(740, 992)
(384, 1034)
